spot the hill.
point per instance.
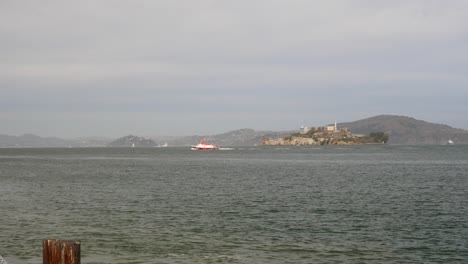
(400, 129)
(131, 140)
(30, 140)
(240, 137)
(407, 130)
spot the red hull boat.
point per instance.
(205, 146)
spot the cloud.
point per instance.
(233, 58)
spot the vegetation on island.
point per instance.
(321, 136)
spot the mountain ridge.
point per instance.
(34, 141)
(401, 130)
(408, 130)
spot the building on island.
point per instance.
(331, 128)
(327, 128)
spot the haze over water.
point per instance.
(360, 204)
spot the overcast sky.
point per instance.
(110, 68)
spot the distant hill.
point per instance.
(401, 130)
(30, 140)
(407, 130)
(131, 140)
(240, 137)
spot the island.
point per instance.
(326, 135)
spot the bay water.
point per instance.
(356, 204)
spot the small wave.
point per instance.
(2, 261)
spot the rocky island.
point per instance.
(326, 135)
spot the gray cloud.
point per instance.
(261, 64)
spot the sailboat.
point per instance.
(133, 145)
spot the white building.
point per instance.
(331, 127)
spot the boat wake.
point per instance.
(2, 260)
(226, 148)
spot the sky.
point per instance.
(174, 67)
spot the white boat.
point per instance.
(164, 145)
(450, 142)
(133, 145)
(205, 146)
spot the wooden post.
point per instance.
(60, 252)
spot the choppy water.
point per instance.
(366, 204)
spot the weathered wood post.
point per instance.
(60, 252)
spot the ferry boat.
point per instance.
(205, 146)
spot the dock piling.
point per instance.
(60, 252)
